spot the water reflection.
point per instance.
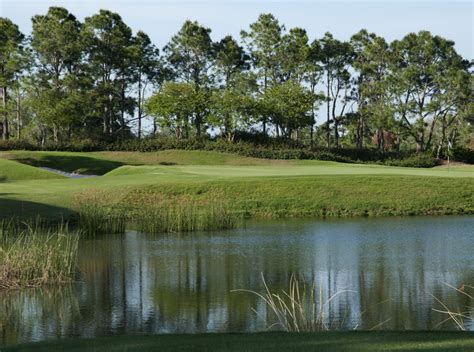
(182, 283)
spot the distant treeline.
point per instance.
(98, 81)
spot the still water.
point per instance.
(386, 271)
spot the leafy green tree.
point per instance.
(147, 70)
(290, 106)
(58, 48)
(109, 53)
(231, 60)
(175, 105)
(11, 40)
(190, 56)
(313, 74)
(233, 106)
(262, 41)
(337, 58)
(429, 81)
(293, 55)
(371, 62)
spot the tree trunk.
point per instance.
(443, 138)
(140, 107)
(111, 118)
(122, 104)
(430, 135)
(55, 133)
(420, 142)
(105, 119)
(197, 122)
(360, 132)
(264, 120)
(5, 132)
(18, 115)
(328, 130)
(380, 140)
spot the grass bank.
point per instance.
(12, 171)
(267, 188)
(323, 341)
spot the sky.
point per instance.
(160, 19)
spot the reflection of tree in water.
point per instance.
(39, 313)
(134, 283)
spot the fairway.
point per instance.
(253, 187)
(307, 168)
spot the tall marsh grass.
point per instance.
(100, 214)
(463, 317)
(95, 219)
(301, 308)
(96, 215)
(32, 255)
(185, 217)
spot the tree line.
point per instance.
(96, 79)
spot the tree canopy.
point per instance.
(97, 79)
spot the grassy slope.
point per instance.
(276, 188)
(99, 163)
(13, 171)
(326, 341)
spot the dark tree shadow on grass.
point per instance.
(26, 209)
(73, 163)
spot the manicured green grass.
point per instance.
(282, 188)
(13, 171)
(324, 341)
(99, 163)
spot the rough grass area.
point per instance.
(297, 188)
(323, 341)
(13, 171)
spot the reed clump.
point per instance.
(171, 217)
(31, 255)
(301, 308)
(95, 219)
(97, 216)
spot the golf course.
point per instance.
(236, 175)
(251, 187)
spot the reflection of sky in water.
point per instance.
(182, 283)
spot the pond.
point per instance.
(385, 271)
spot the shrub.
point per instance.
(261, 147)
(420, 160)
(464, 155)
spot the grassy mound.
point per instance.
(99, 163)
(13, 171)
